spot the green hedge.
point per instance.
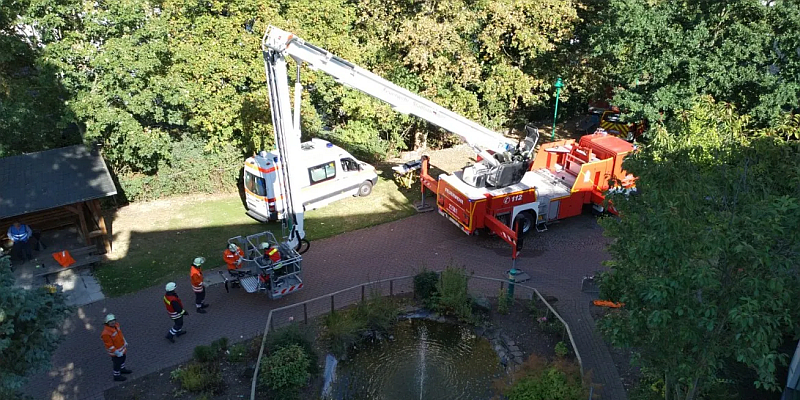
(191, 169)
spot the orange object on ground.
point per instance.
(64, 258)
(606, 303)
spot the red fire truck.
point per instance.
(563, 177)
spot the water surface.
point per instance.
(427, 360)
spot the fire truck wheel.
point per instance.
(525, 220)
(365, 189)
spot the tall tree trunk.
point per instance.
(693, 390)
(667, 388)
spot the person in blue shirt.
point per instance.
(20, 234)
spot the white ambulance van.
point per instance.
(332, 174)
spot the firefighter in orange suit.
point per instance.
(175, 310)
(233, 257)
(198, 286)
(116, 346)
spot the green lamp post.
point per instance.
(558, 86)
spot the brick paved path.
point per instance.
(557, 260)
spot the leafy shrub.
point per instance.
(342, 330)
(204, 354)
(425, 286)
(199, 377)
(561, 349)
(285, 371)
(551, 384)
(534, 309)
(237, 353)
(452, 295)
(220, 345)
(379, 313)
(502, 302)
(294, 335)
(182, 173)
(361, 138)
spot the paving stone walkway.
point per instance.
(556, 260)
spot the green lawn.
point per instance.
(156, 242)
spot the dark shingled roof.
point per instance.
(50, 179)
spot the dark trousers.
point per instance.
(177, 327)
(199, 297)
(119, 363)
(22, 250)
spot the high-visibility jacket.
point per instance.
(273, 254)
(21, 234)
(113, 339)
(233, 259)
(197, 279)
(174, 305)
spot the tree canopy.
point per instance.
(659, 55)
(29, 322)
(705, 253)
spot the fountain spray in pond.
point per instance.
(422, 350)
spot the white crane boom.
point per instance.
(277, 44)
(401, 100)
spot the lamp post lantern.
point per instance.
(558, 86)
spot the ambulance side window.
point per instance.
(322, 173)
(255, 184)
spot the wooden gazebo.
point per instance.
(56, 188)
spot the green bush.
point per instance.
(204, 354)
(342, 330)
(533, 308)
(237, 353)
(199, 377)
(294, 335)
(561, 349)
(550, 384)
(189, 170)
(220, 345)
(285, 371)
(425, 286)
(452, 294)
(502, 302)
(379, 313)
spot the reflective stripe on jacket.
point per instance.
(273, 254)
(174, 306)
(113, 339)
(197, 279)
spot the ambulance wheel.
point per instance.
(525, 220)
(303, 246)
(365, 189)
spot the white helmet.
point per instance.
(265, 245)
(170, 286)
(233, 247)
(199, 261)
(110, 317)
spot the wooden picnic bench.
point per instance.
(87, 256)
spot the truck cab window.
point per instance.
(348, 164)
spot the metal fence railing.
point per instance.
(306, 310)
